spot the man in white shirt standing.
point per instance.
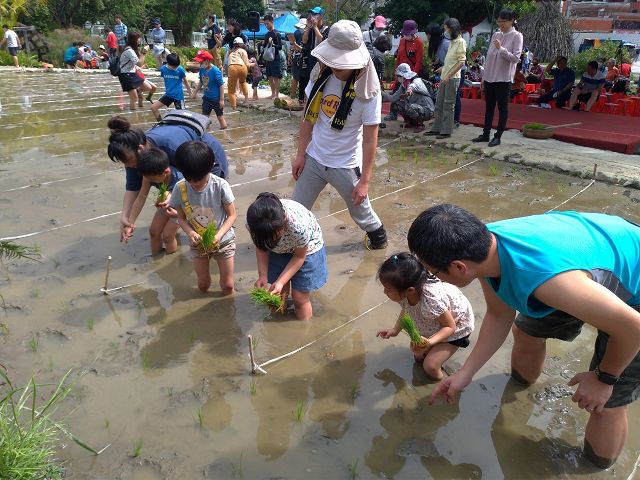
(339, 128)
(11, 40)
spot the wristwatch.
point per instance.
(605, 377)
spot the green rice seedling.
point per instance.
(207, 243)
(192, 337)
(29, 434)
(493, 170)
(90, 323)
(161, 194)
(145, 360)
(50, 364)
(300, 411)
(199, 416)
(137, 449)
(415, 157)
(253, 387)
(353, 469)
(355, 392)
(535, 126)
(403, 155)
(261, 297)
(236, 468)
(4, 330)
(33, 344)
(35, 293)
(107, 423)
(408, 325)
(255, 341)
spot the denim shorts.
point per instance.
(208, 105)
(311, 276)
(563, 326)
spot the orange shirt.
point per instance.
(410, 52)
(612, 74)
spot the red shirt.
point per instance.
(112, 41)
(410, 52)
(625, 70)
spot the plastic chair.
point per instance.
(612, 108)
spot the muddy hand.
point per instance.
(591, 393)
(449, 388)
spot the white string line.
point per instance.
(100, 217)
(124, 102)
(293, 352)
(42, 184)
(635, 469)
(35, 122)
(572, 197)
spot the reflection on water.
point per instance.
(168, 367)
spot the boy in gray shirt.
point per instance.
(202, 199)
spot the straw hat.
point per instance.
(344, 48)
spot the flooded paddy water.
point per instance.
(162, 371)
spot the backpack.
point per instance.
(114, 65)
(195, 121)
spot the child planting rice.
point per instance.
(289, 248)
(443, 315)
(206, 213)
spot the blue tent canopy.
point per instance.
(283, 24)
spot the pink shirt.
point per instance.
(500, 65)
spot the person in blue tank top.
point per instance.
(127, 143)
(558, 270)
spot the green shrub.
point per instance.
(285, 85)
(24, 59)
(389, 68)
(606, 50)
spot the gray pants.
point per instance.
(314, 178)
(445, 105)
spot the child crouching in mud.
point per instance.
(441, 312)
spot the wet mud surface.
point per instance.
(160, 366)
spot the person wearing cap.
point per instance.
(412, 99)
(339, 129)
(296, 54)
(315, 32)
(410, 51)
(158, 36)
(378, 28)
(449, 80)
(212, 83)
(273, 70)
(238, 70)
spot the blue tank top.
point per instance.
(534, 249)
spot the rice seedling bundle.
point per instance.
(261, 297)
(408, 325)
(207, 243)
(162, 193)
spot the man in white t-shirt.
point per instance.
(11, 40)
(339, 128)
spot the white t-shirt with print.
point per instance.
(12, 39)
(302, 230)
(438, 297)
(208, 205)
(341, 148)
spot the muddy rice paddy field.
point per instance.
(163, 371)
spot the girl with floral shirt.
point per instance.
(289, 248)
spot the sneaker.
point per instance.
(382, 125)
(376, 240)
(495, 141)
(391, 117)
(456, 125)
(545, 105)
(481, 138)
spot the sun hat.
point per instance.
(409, 27)
(101, 47)
(317, 11)
(404, 71)
(203, 56)
(301, 24)
(238, 41)
(380, 22)
(344, 48)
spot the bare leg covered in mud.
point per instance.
(527, 357)
(433, 360)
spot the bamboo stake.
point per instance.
(254, 366)
(105, 289)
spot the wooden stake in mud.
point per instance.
(105, 289)
(595, 167)
(254, 366)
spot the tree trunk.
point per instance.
(547, 33)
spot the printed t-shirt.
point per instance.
(173, 81)
(535, 249)
(12, 39)
(302, 230)
(341, 148)
(592, 82)
(208, 205)
(438, 297)
(562, 77)
(211, 80)
(168, 138)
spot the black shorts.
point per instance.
(130, 81)
(460, 342)
(13, 51)
(167, 101)
(208, 105)
(273, 69)
(563, 326)
(584, 97)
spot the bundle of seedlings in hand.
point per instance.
(408, 325)
(163, 191)
(207, 242)
(261, 297)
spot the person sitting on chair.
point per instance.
(589, 88)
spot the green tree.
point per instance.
(356, 10)
(238, 9)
